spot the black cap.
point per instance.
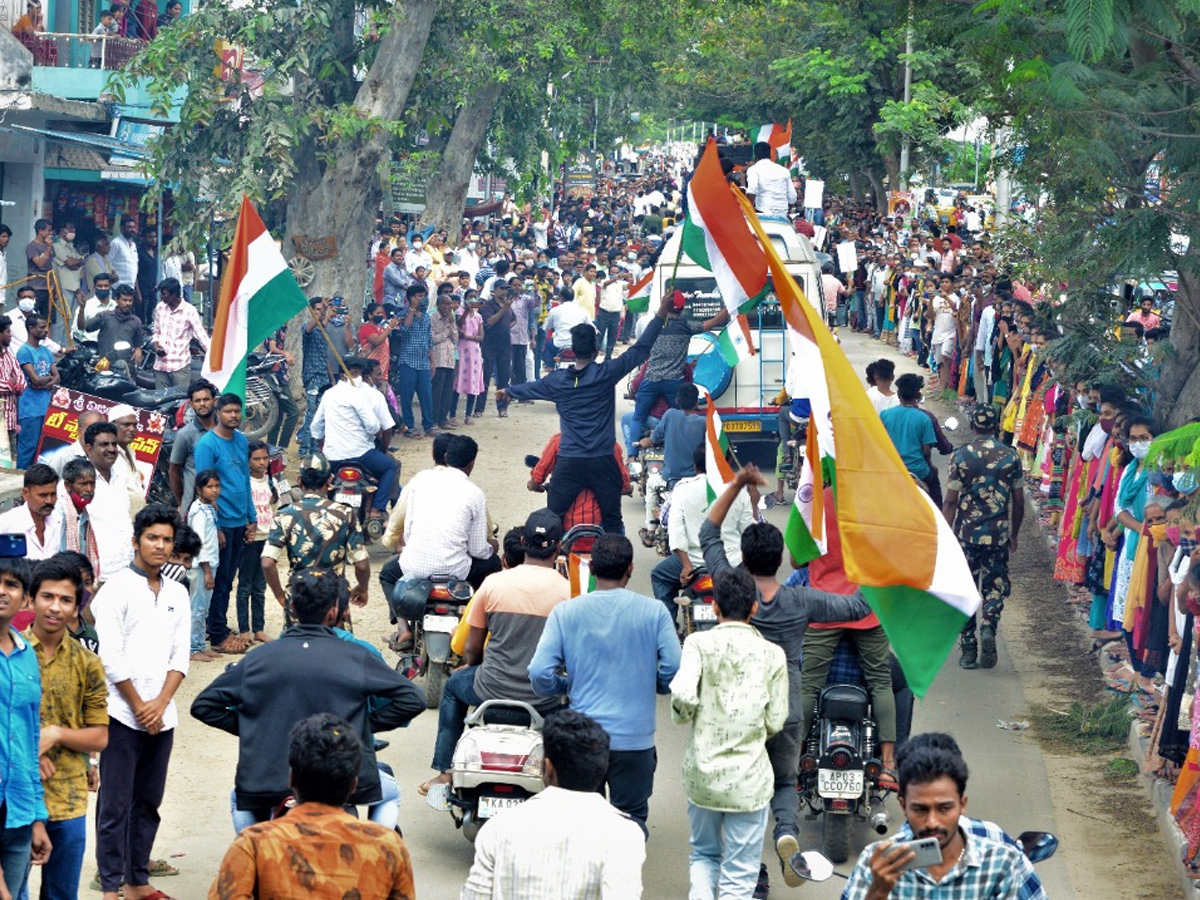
(543, 529)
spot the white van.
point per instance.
(743, 394)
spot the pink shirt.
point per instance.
(831, 288)
(174, 330)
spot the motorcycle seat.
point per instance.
(149, 399)
(507, 715)
(847, 702)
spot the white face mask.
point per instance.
(26, 305)
(1139, 449)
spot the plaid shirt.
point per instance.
(989, 870)
(12, 382)
(174, 330)
(415, 341)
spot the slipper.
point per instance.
(158, 895)
(423, 787)
(160, 867)
(230, 646)
(887, 781)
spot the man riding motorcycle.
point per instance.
(585, 510)
(679, 433)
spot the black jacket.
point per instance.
(308, 670)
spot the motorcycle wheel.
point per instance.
(262, 410)
(435, 684)
(835, 836)
(373, 530)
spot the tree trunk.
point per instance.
(1177, 397)
(855, 186)
(446, 193)
(876, 179)
(342, 201)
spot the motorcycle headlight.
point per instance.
(467, 754)
(533, 762)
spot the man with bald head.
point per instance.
(58, 458)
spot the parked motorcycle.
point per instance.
(433, 607)
(497, 765)
(698, 603)
(840, 769)
(264, 387)
(82, 369)
(355, 487)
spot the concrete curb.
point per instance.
(1159, 792)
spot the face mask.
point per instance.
(416, 245)
(1034, 349)
(103, 293)
(1139, 449)
(1106, 425)
(1172, 534)
(1159, 533)
(69, 236)
(79, 501)
(339, 321)
(378, 320)
(26, 304)
(1185, 482)
(1083, 401)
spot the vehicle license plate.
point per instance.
(444, 624)
(838, 784)
(743, 425)
(703, 612)
(354, 500)
(489, 806)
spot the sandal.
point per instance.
(423, 787)
(647, 537)
(887, 781)
(160, 867)
(231, 646)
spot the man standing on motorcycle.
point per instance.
(586, 400)
(315, 532)
(509, 614)
(348, 422)
(933, 785)
(619, 650)
(176, 325)
(783, 616)
(585, 510)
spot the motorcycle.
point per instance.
(354, 486)
(433, 606)
(578, 542)
(697, 603)
(652, 483)
(565, 359)
(497, 765)
(83, 369)
(812, 865)
(263, 390)
(839, 770)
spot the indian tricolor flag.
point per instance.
(779, 137)
(258, 295)
(716, 466)
(896, 545)
(639, 292)
(734, 343)
(716, 238)
(579, 568)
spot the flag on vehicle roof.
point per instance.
(896, 545)
(778, 136)
(716, 238)
(734, 343)
(259, 294)
(639, 292)
(716, 466)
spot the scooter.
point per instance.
(812, 865)
(433, 607)
(497, 765)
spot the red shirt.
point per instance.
(586, 509)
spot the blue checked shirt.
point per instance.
(415, 341)
(990, 870)
(20, 730)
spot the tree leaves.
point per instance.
(1090, 28)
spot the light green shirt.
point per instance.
(732, 685)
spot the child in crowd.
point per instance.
(202, 517)
(78, 626)
(470, 382)
(252, 583)
(880, 375)
(183, 553)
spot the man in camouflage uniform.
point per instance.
(315, 532)
(983, 492)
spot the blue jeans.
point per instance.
(726, 851)
(664, 577)
(201, 597)
(386, 812)
(627, 431)
(15, 845)
(409, 380)
(312, 399)
(27, 440)
(648, 393)
(385, 469)
(607, 323)
(60, 874)
(457, 698)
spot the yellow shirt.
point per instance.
(74, 695)
(585, 295)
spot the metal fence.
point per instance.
(80, 51)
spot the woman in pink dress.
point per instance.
(469, 381)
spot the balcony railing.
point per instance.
(80, 51)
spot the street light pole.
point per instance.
(908, 49)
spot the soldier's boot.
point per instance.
(987, 646)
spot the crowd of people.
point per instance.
(532, 309)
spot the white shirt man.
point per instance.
(562, 319)
(112, 522)
(92, 308)
(347, 420)
(467, 258)
(772, 188)
(4, 269)
(446, 525)
(20, 334)
(689, 507)
(123, 255)
(417, 256)
(612, 295)
(19, 520)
